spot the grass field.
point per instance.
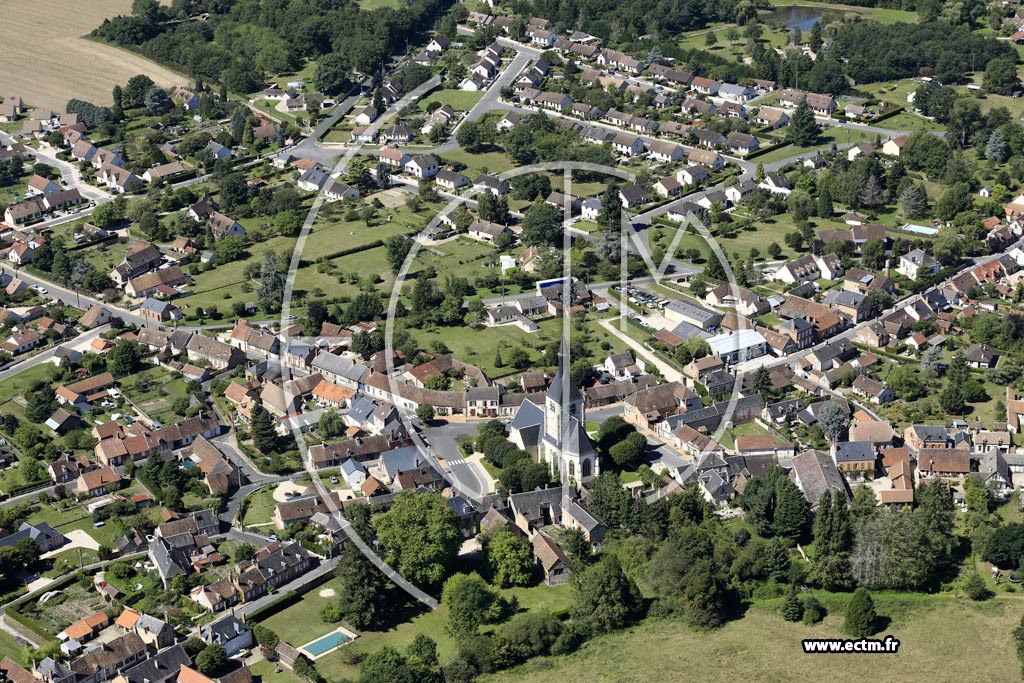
(941, 639)
(300, 623)
(460, 100)
(64, 64)
(490, 162)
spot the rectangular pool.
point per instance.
(322, 646)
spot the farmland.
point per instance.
(65, 64)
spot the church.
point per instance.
(556, 433)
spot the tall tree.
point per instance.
(859, 619)
(803, 129)
(604, 598)
(264, 434)
(420, 535)
(510, 559)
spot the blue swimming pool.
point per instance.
(326, 644)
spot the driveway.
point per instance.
(77, 538)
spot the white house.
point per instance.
(425, 166)
(916, 263)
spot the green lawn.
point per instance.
(490, 162)
(21, 382)
(222, 286)
(300, 623)
(459, 100)
(728, 438)
(11, 649)
(942, 639)
(153, 390)
(377, 4)
(261, 506)
(478, 347)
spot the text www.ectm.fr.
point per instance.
(887, 645)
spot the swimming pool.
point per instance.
(325, 644)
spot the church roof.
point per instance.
(528, 415)
(576, 441)
(562, 377)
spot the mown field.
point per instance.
(941, 639)
(47, 60)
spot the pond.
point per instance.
(801, 16)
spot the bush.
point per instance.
(860, 614)
(331, 613)
(814, 611)
(975, 588)
(792, 608)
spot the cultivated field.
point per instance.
(47, 61)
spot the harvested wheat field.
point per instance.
(47, 60)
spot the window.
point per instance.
(585, 468)
(572, 469)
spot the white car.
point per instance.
(38, 288)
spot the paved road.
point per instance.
(441, 442)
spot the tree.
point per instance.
(264, 434)
(860, 617)
(626, 453)
(833, 537)
(425, 413)
(542, 225)
(913, 201)
(763, 383)
(952, 399)
(362, 592)
(469, 601)
(510, 560)
(792, 608)
(996, 150)
(41, 402)
(124, 358)
(156, 100)
(792, 511)
(386, 665)
(420, 535)
(332, 71)
(397, 248)
(212, 660)
(604, 598)
(803, 129)
(975, 588)
(1001, 76)
(271, 288)
(814, 612)
(134, 93)
(833, 420)
(872, 253)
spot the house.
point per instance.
(628, 144)
(893, 146)
(551, 559)
(45, 536)
(873, 390)
(771, 118)
(801, 269)
(744, 301)
(647, 407)
(916, 263)
(366, 116)
(666, 187)
(679, 311)
(814, 472)
(146, 284)
(632, 196)
(313, 180)
(142, 258)
(273, 565)
(450, 180)
(706, 157)
(981, 356)
(491, 183)
(397, 133)
(665, 151)
(228, 632)
(219, 355)
(692, 175)
(486, 231)
(24, 212)
(777, 183)
(861, 149)
(947, 463)
(425, 166)
(742, 144)
(163, 171)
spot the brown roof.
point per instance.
(547, 551)
(953, 460)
